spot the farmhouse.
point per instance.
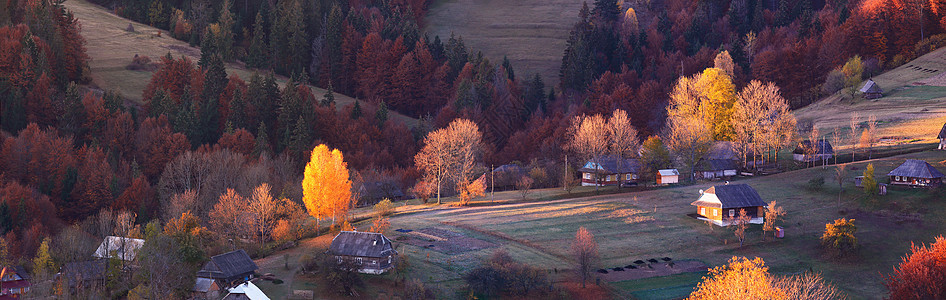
(668, 176)
(14, 282)
(720, 202)
(246, 291)
(916, 173)
(715, 168)
(371, 253)
(942, 138)
(83, 273)
(122, 248)
(610, 170)
(229, 269)
(809, 152)
(871, 90)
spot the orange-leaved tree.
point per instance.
(326, 189)
(585, 250)
(742, 278)
(922, 274)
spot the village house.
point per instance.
(916, 173)
(610, 170)
(228, 269)
(246, 291)
(372, 253)
(871, 90)
(205, 289)
(82, 274)
(668, 176)
(809, 152)
(373, 192)
(718, 203)
(125, 249)
(715, 168)
(14, 282)
(942, 138)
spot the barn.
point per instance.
(871, 90)
(715, 168)
(372, 253)
(809, 152)
(720, 202)
(611, 170)
(916, 173)
(668, 176)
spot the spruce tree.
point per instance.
(225, 40)
(329, 97)
(356, 111)
(237, 117)
(262, 140)
(381, 115)
(301, 138)
(258, 55)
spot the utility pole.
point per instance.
(565, 175)
(492, 182)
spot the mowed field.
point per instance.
(654, 224)
(531, 34)
(112, 48)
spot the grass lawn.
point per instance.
(666, 287)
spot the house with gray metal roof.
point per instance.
(916, 173)
(229, 269)
(720, 203)
(715, 168)
(371, 252)
(806, 151)
(610, 170)
(871, 90)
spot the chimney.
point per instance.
(727, 182)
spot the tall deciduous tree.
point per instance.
(589, 138)
(326, 188)
(742, 278)
(773, 214)
(230, 216)
(451, 153)
(921, 274)
(262, 208)
(585, 250)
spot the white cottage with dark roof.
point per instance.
(610, 170)
(718, 203)
(371, 252)
(916, 173)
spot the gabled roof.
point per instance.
(363, 244)
(916, 169)
(716, 165)
(84, 270)
(871, 87)
(203, 285)
(730, 196)
(613, 164)
(823, 147)
(125, 248)
(228, 265)
(942, 132)
(246, 290)
(668, 172)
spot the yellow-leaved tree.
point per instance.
(326, 189)
(718, 96)
(742, 278)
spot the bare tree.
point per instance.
(450, 153)
(524, 185)
(622, 137)
(836, 141)
(853, 136)
(748, 117)
(589, 138)
(871, 134)
(839, 176)
(229, 216)
(585, 250)
(161, 268)
(179, 204)
(807, 286)
(262, 207)
(690, 139)
(772, 214)
(811, 149)
(739, 224)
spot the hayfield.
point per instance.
(111, 48)
(532, 34)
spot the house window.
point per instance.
(608, 178)
(359, 260)
(703, 211)
(715, 212)
(587, 175)
(898, 178)
(628, 176)
(732, 213)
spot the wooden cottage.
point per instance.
(83, 273)
(715, 168)
(229, 269)
(720, 202)
(14, 282)
(668, 176)
(871, 90)
(372, 253)
(942, 138)
(916, 173)
(246, 291)
(610, 170)
(809, 152)
(123, 248)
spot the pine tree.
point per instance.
(262, 140)
(508, 66)
(301, 138)
(329, 97)
(208, 46)
(258, 56)
(237, 117)
(225, 40)
(381, 115)
(356, 111)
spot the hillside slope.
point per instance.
(531, 34)
(913, 107)
(111, 48)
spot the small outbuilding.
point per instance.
(942, 138)
(916, 173)
(809, 152)
(871, 90)
(715, 168)
(229, 269)
(720, 202)
(370, 252)
(610, 170)
(668, 176)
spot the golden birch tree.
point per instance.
(326, 189)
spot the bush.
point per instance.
(501, 274)
(384, 208)
(838, 237)
(816, 183)
(833, 83)
(415, 290)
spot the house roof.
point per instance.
(871, 87)
(380, 190)
(363, 244)
(126, 248)
(716, 165)
(84, 270)
(613, 164)
(246, 290)
(203, 285)
(942, 132)
(228, 265)
(823, 147)
(730, 196)
(916, 169)
(721, 150)
(668, 172)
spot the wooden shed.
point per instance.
(372, 253)
(668, 176)
(720, 202)
(916, 173)
(871, 90)
(942, 138)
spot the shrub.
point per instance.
(415, 290)
(838, 237)
(816, 183)
(501, 274)
(384, 208)
(833, 83)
